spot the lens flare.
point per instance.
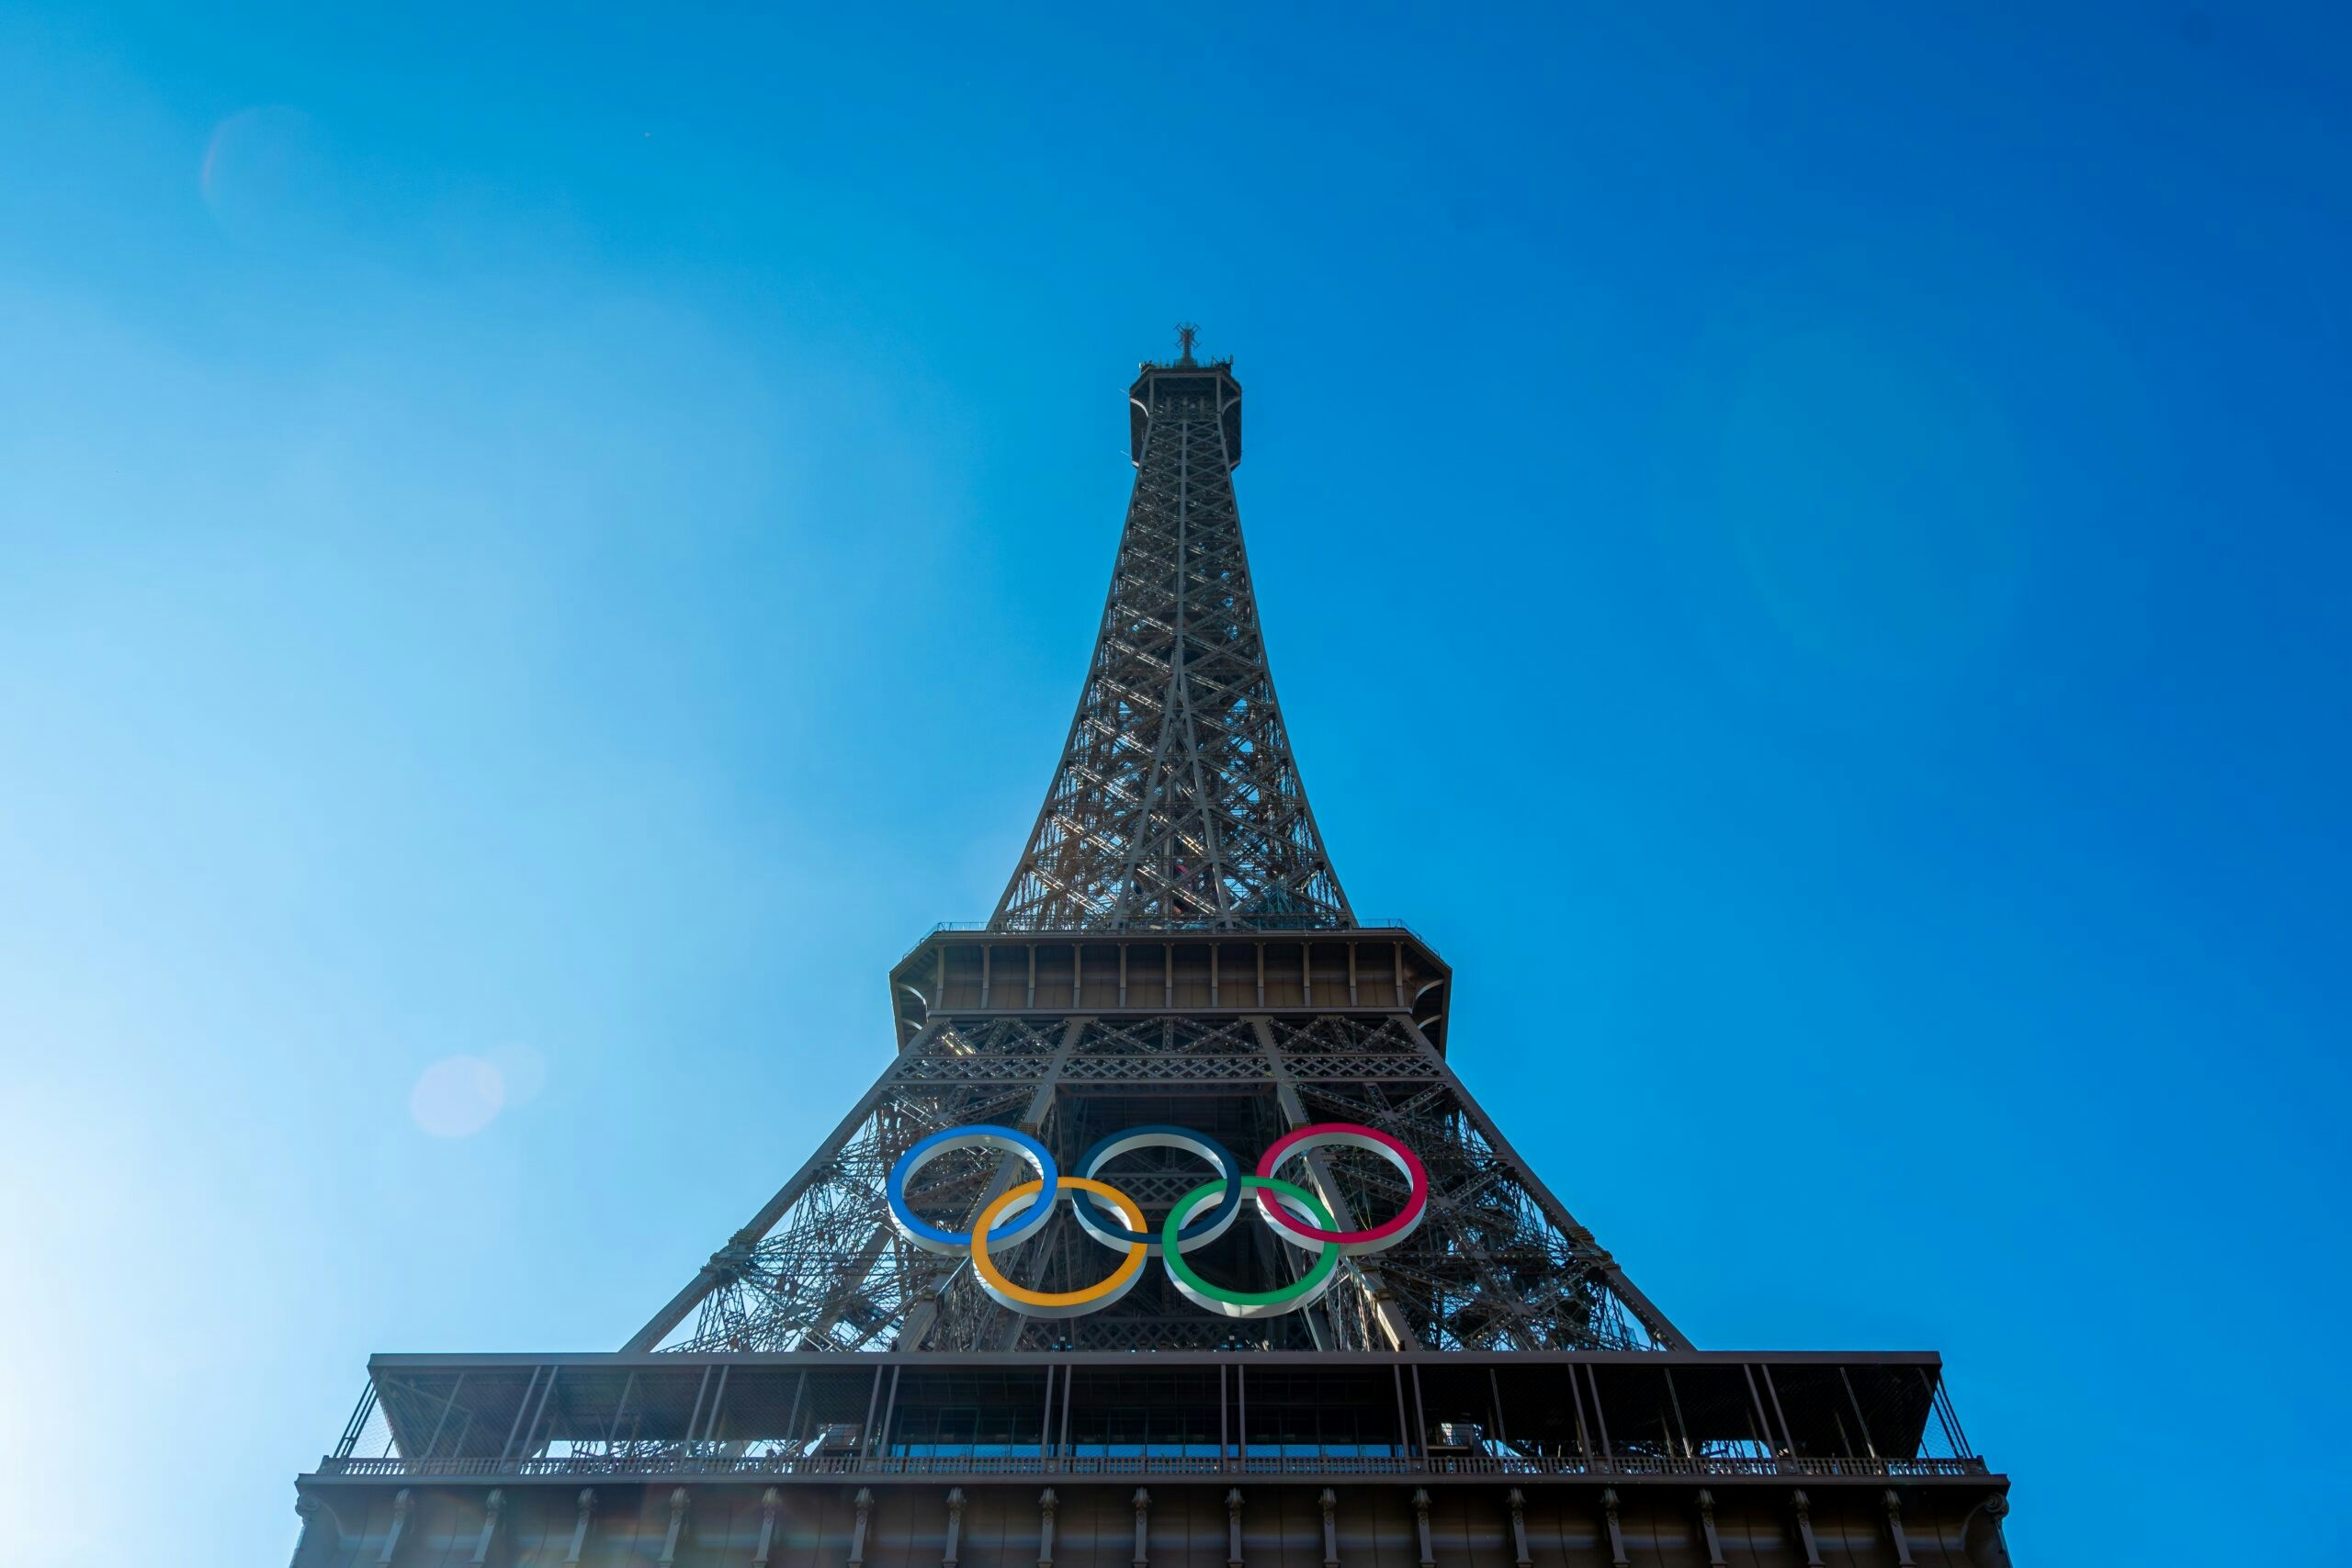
(267, 178)
(456, 1097)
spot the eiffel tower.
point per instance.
(1168, 1234)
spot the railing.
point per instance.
(1885, 1467)
(748, 1465)
(1301, 925)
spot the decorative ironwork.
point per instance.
(1173, 991)
(1497, 1265)
(1177, 803)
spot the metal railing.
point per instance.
(1296, 925)
(748, 1465)
(1301, 923)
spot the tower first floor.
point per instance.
(1297, 1519)
(1175, 1460)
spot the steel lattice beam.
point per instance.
(1177, 803)
(1176, 807)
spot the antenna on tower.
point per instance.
(1185, 332)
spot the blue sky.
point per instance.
(1817, 540)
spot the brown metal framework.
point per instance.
(1463, 1416)
(1500, 1264)
(1177, 803)
(1174, 947)
(1186, 1460)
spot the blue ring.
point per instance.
(1095, 1215)
(931, 1237)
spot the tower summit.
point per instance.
(1168, 1234)
(1177, 803)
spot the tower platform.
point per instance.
(1182, 1460)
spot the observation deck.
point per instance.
(1439, 1417)
(1179, 1459)
(973, 971)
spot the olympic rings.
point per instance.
(1056, 1304)
(1346, 1135)
(930, 1237)
(1298, 1216)
(1199, 1233)
(1250, 1304)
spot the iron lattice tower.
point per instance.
(1176, 839)
(1175, 953)
(1177, 803)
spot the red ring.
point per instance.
(1352, 1134)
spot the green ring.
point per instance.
(1296, 1294)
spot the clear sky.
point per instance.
(1816, 539)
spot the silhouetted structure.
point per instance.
(1407, 1352)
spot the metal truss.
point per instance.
(1497, 1264)
(1176, 803)
(1174, 949)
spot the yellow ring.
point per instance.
(1057, 1303)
